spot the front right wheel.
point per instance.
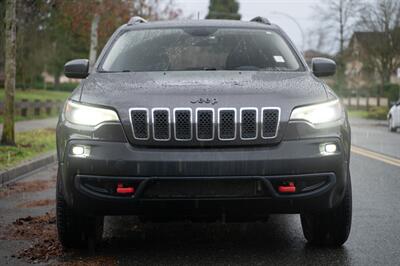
(332, 227)
(75, 230)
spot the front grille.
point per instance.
(185, 124)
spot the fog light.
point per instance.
(80, 150)
(328, 148)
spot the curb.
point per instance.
(9, 175)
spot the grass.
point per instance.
(358, 113)
(29, 145)
(42, 95)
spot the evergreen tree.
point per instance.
(223, 9)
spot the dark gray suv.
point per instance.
(202, 120)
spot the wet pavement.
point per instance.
(374, 135)
(374, 239)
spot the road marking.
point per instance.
(375, 156)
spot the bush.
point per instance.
(378, 113)
(62, 87)
(391, 91)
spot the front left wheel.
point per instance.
(392, 128)
(75, 230)
(332, 227)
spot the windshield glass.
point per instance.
(183, 49)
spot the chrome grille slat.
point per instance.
(158, 123)
(140, 123)
(248, 123)
(205, 123)
(183, 124)
(227, 123)
(270, 117)
(161, 124)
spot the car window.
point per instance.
(183, 49)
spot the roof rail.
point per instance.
(261, 20)
(136, 20)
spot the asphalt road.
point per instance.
(374, 238)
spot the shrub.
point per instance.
(378, 113)
(391, 91)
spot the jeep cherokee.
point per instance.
(203, 120)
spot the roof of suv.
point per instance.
(202, 23)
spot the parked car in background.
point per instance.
(394, 117)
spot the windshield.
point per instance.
(183, 49)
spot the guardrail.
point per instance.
(35, 108)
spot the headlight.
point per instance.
(318, 113)
(88, 115)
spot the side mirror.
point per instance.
(78, 68)
(323, 67)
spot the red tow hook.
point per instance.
(125, 190)
(290, 188)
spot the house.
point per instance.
(357, 73)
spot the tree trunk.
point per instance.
(8, 137)
(93, 40)
(56, 81)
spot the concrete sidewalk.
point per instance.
(33, 124)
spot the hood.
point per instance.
(211, 89)
(217, 89)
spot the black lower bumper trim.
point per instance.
(261, 193)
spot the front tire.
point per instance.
(332, 227)
(75, 230)
(391, 127)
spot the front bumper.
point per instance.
(293, 160)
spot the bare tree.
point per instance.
(8, 137)
(336, 20)
(382, 48)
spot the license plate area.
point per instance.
(204, 188)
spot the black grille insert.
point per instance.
(205, 124)
(183, 125)
(227, 125)
(161, 125)
(249, 124)
(270, 123)
(204, 188)
(140, 124)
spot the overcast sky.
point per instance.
(281, 12)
